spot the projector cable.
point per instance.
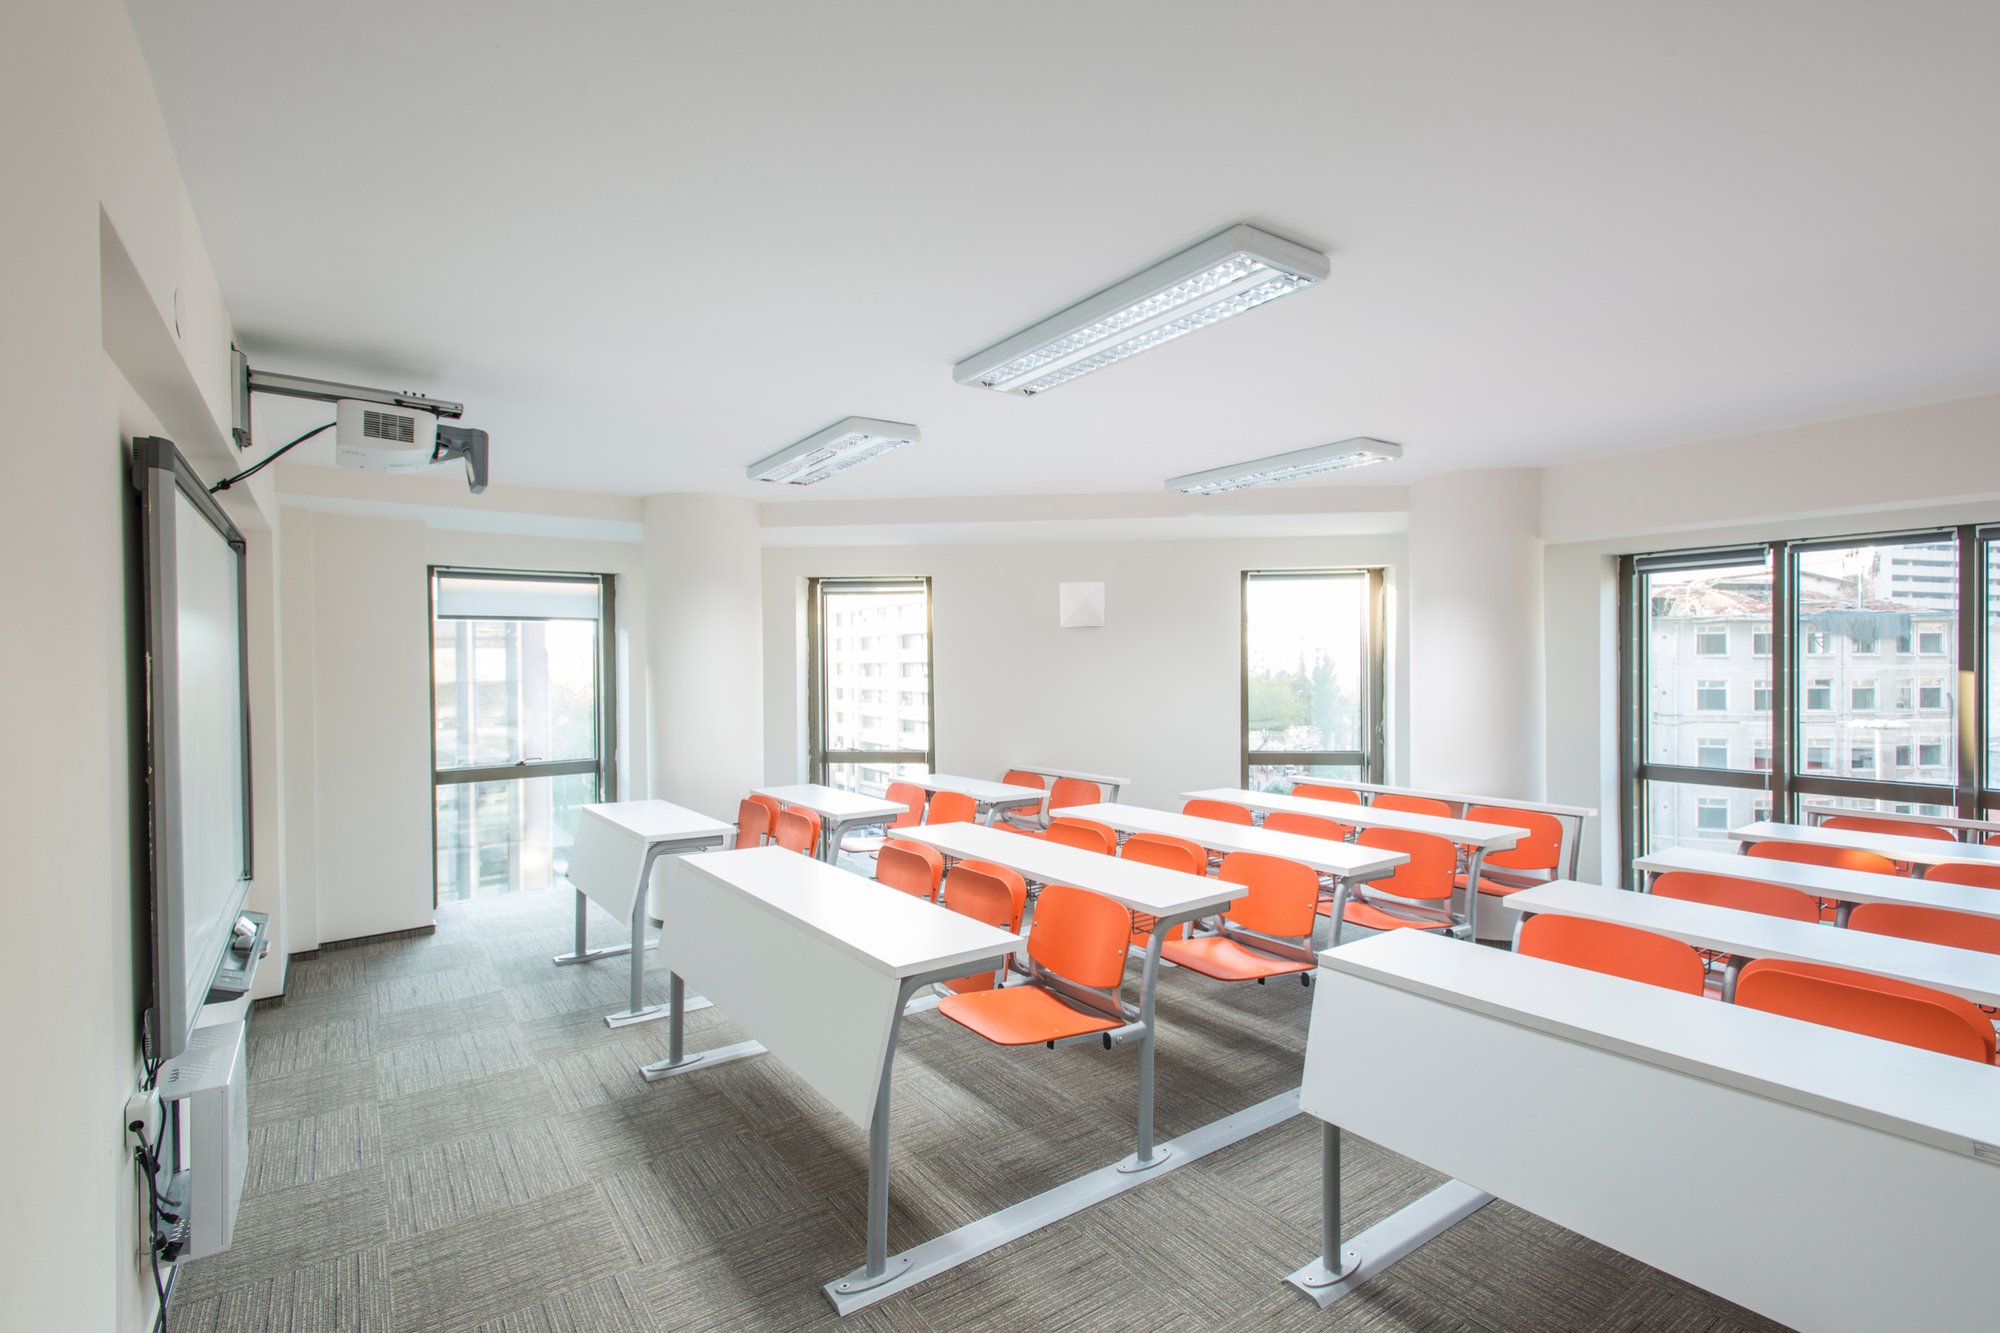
(269, 458)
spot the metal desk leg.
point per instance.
(638, 1011)
(678, 1061)
(1148, 1156)
(1472, 893)
(1334, 1263)
(583, 953)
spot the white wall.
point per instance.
(1154, 695)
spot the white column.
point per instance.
(705, 650)
(1476, 633)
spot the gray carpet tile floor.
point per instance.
(446, 1138)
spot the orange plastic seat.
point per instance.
(1837, 858)
(1893, 827)
(910, 797)
(1984, 877)
(798, 831)
(1077, 942)
(1744, 895)
(1312, 826)
(1169, 853)
(1202, 808)
(1870, 1005)
(911, 867)
(1088, 834)
(1015, 777)
(1615, 950)
(952, 807)
(1072, 791)
(1411, 805)
(1314, 791)
(753, 823)
(771, 812)
(1425, 878)
(1535, 859)
(1933, 925)
(989, 893)
(1280, 904)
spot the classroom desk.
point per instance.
(838, 810)
(1571, 817)
(1861, 1173)
(1846, 887)
(1170, 897)
(1917, 853)
(611, 865)
(1347, 862)
(1749, 935)
(817, 964)
(991, 799)
(1110, 784)
(1474, 837)
(1969, 830)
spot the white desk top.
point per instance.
(1346, 859)
(1847, 886)
(1101, 779)
(1917, 1094)
(659, 821)
(1898, 817)
(1146, 889)
(1916, 851)
(1464, 832)
(1466, 799)
(1976, 976)
(979, 789)
(832, 803)
(893, 932)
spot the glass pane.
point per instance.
(501, 837)
(1304, 649)
(1708, 667)
(514, 690)
(870, 779)
(1684, 814)
(1281, 777)
(875, 669)
(1992, 658)
(1878, 624)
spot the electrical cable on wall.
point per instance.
(269, 458)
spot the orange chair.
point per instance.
(1265, 933)
(1535, 859)
(1983, 877)
(1618, 951)
(1893, 827)
(1201, 808)
(753, 823)
(771, 812)
(1744, 895)
(1169, 853)
(1837, 858)
(1933, 925)
(1088, 834)
(985, 892)
(1874, 1006)
(1314, 791)
(1411, 805)
(911, 867)
(1076, 961)
(798, 831)
(1015, 777)
(1072, 791)
(1312, 826)
(1425, 878)
(952, 807)
(911, 798)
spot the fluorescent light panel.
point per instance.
(830, 452)
(1336, 457)
(1237, 269)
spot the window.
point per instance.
(1760, 697)
(1861, 759)
(1712, 696)
(1930, 695)
(1760, 643)
(522, 724)
(1312, 675)
(1931, 640)
(1819, 695)
(1902, 756)
(1818, 756)
(1863, 641)
(888, 735)
(1711, 641)
(1760, 756)
(1818, 642)
(1711, 816)
(1861, 696)
(1710, 753)
(1760, 811)
(1903, 696)
(1931, 754)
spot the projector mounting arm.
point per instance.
(469, 444)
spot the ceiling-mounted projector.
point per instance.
(376, 437)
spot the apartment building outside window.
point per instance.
(869, 648)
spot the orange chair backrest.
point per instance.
(910, 797)
(1015, 777)
(1088, 834)
(1080, 936)
(1893, 827)
(1745, 895)
(952, 807)
(1811, 854)
(753, 824)
(1541, 849)
(1167, 852)
(1619, 951)
(1281, 897)
(989, 893)
(901, 866)
(1426, 875)
(1202, 808)
(1314, 791)
(1073, 791)
(1933, 925)
(1411, 805)
(798, 831)
(1873, 1006)
(1312, 826)
(1984, 877)
(771, 812)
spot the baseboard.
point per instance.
(334, 946)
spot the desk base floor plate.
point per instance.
(721, 1055)
(625, 1018)
(1392, 1239)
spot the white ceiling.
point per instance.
(649, 243)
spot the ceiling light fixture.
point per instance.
(1335, 457)
(830, 452)
(1237, 269)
